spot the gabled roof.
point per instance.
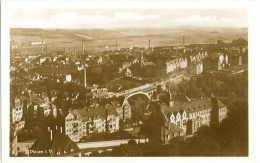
(99, 111)
(190, 106)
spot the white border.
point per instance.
(252, 30)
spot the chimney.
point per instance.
(82, 46)
(51, 135)
(149, 44)
(85, 76)
(116, 44)
(49, 128)
(64, 51)
(61, 130)
(56, 127)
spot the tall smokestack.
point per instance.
(82, 46)
(64, 51)
(116, 44)
(61, 130)
(85, 76)
(149, 43)
(51, 135)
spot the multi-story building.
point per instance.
(123, 108)
(215, 62)
(191, 115)
(82, 122)
(235, 60)
(17, 111)
(172, 65)
(196, 68)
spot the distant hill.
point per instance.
(126, 37)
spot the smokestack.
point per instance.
(61, 130)
(149, 43)
(64, 51)
(49, 128)
(85, 76)
(51, 135)
(82, 46)
(116, 44)
(56, 127)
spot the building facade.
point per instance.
(191, 115)
(172, 65)
(83, 122)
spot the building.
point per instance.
(191, 115)
(82, 122)
(196, 68)
(123, 108)
(235, 60)
(172, 65)
(212, 63)
(13, 141)
(37, 43)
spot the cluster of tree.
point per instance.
(222, 85)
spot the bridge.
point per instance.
(148, 89)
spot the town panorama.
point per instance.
(94, 92)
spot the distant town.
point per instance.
(181, 100)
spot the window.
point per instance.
(184, 122)
(178, 124)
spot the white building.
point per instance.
(191, 115)
(176, 63)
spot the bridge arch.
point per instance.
(139, 93)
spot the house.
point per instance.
(172, 65)
(190, 115)
(82, 122)
(196, 68)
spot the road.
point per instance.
(101, 144)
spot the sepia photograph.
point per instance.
(128, 81)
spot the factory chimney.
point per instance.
(82, 46)
(116, 44)
(85, 76)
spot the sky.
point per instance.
(127, 18)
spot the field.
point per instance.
(99, 39)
